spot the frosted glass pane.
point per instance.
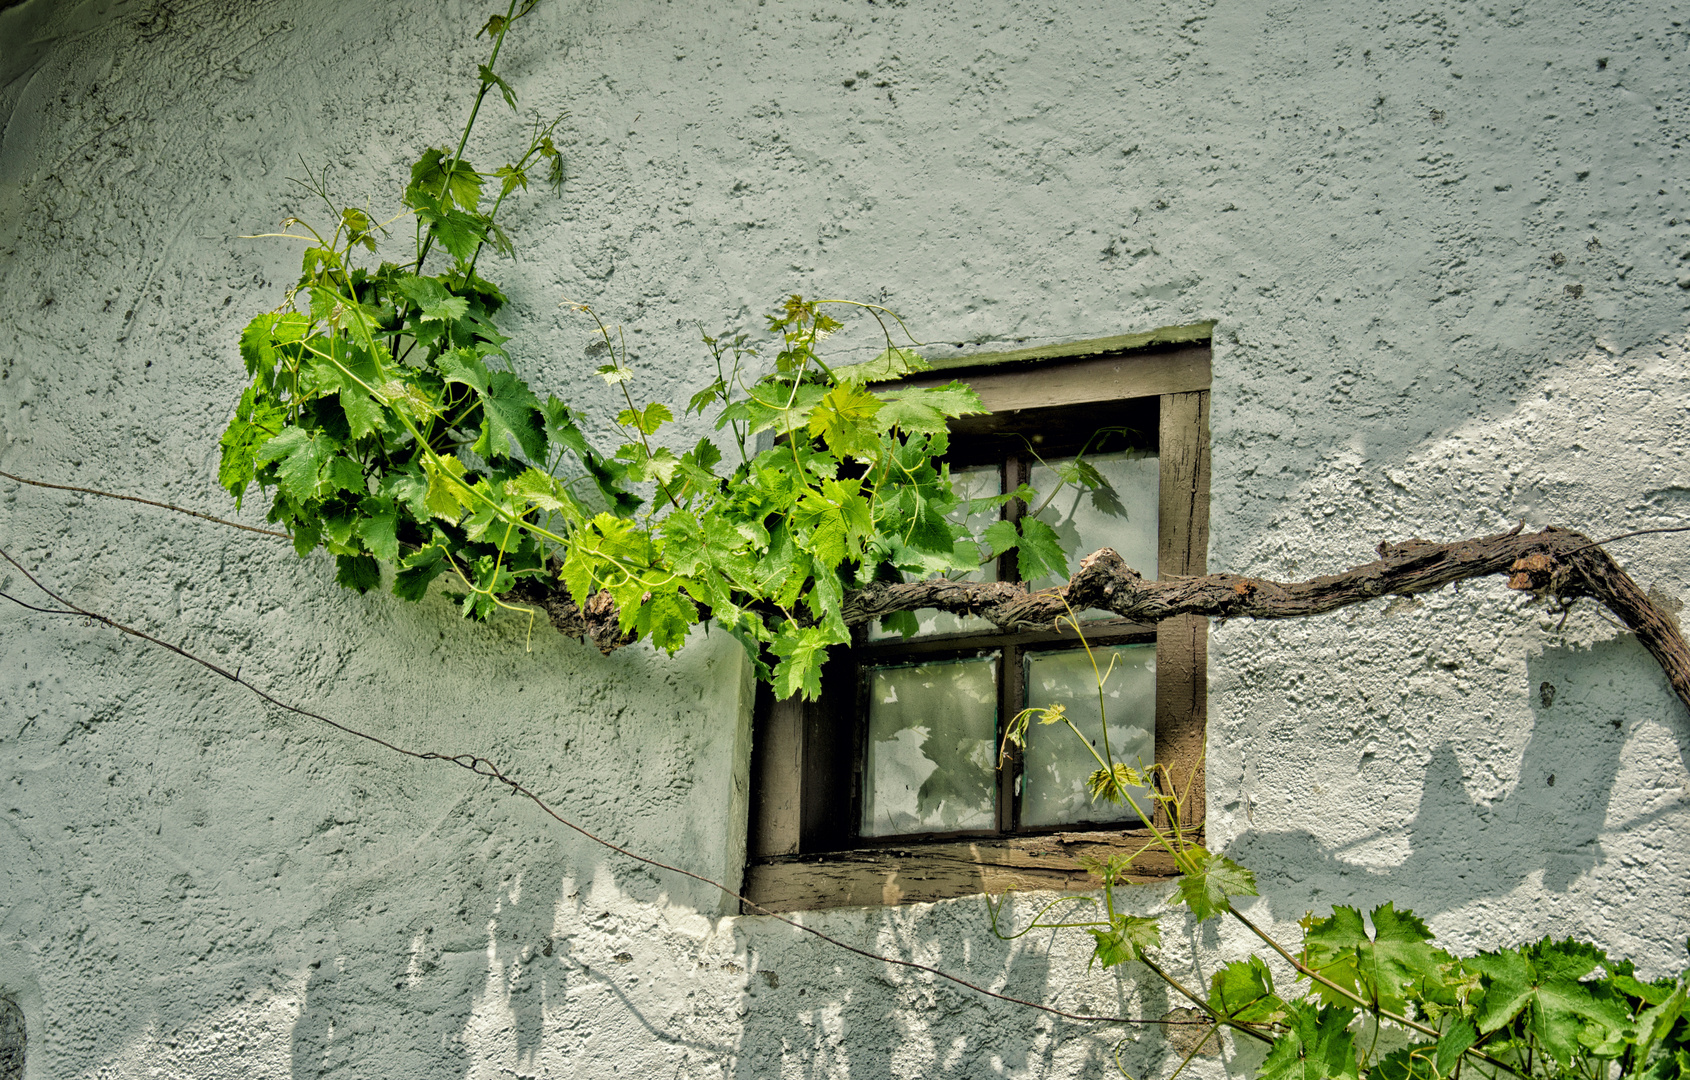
(1056, 764)
(1122, 515)
(980, 482)
(932, 734)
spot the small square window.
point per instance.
(891, 788)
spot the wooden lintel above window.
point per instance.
(916, 874)
(1006, 387)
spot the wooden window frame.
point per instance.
(801, 803)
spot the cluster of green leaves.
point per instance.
(1549, 1009)
(1553, 1009)
(387, 417)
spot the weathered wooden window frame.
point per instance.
(798, 798)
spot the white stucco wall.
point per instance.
(1388, 213)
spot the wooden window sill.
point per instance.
(944, 870)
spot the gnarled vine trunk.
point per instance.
(1554, 562)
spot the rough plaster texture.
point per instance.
(1445, 245)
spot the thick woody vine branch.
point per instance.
(1555, 562)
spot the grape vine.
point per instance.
(388, 420)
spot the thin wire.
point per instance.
(1626, 536)
(481, 766)
(148, 502)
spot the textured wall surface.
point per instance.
(1447, 246)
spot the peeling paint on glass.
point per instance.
(1056, 764)
(932, 737)
(978, 482)
(1122, 514)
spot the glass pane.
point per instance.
(932, 738)
(1056, 763)
(979, 482)
(1121, 514)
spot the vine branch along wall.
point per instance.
(1554, 562)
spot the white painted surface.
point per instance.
(1368, 202)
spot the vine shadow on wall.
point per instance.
(1463, 849)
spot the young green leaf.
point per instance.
(1382, 968)
(1453, 1043)
(844, 420)
(802, 651)
(510, 413)
(1040, 551)
(1414, 1062)
(1540, 984)
(298, 455)
(490, 78)
(1126, 939)
(1316, 1045)
(359, 572)
(1208, 885)
(1243, 991)
(378, 528)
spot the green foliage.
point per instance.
(1549, 1010)
(1384, 969)
(387, 420)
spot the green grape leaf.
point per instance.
(290, 327)
(448, 496)
(458, 232)
(1316, 1045)
(364, 415)
(561, 428)
(1000, 536)
(337, 531)
(341, 474)
(416, 571)
(838, 519)
(1332, 947)
(254, 423)
(407, 486)
(491, 78)
(378, 529)
(437, 176)
(901, 622)
(1040, 551)
(1417, 1061)
(298, 455)
(665, 619)
(844, 420)
(892, 363)
(359, 572)
(1127, 938)
(1208, 886)
(1655, 1023)
(1453, 1043)
(1541, 981)
(307, 532)
(256, 348)
(1382, 968)
(716, 391)
(1243, 991)
(539, 489)
(447, 309)
(926, 409)
(1650, 993)
(512, 178)
(510, 413)
(802, 651)
(647, 420)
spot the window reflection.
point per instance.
(1120, 513)
(1056, 764)
(932, 733)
